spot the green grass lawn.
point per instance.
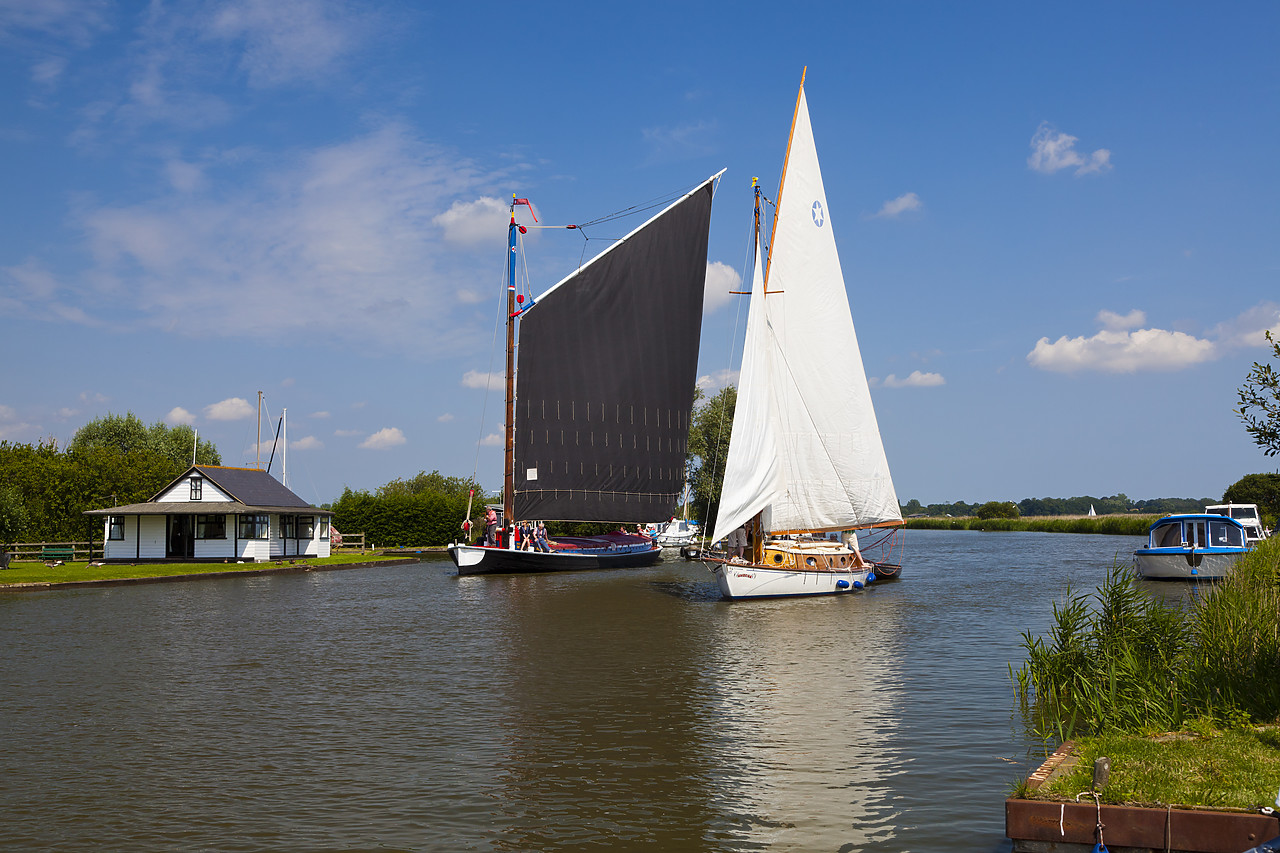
(37, 572)
(1235, 768)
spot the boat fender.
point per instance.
(857, 584)
(842, 584)
(871, 576)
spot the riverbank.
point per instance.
(35, 575)
(1110, 525)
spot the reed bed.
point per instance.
(1119, 660)
(1115, 525)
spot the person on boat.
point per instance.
(540, 538)
(850, 539)
(490, 527)
(738, 543)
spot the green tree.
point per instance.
(434, 483)
(1260, 489)
(709, 434)
(1260, 403)
(126, 434)
(912, 507)
(997, 509)
(13, 515)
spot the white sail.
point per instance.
(753, 472)
(822, 433)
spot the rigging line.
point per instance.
(656, 201)
(748, 253)
(493, 346)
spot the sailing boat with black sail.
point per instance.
(805, 459)
(599, 397)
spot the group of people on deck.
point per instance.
(525, 536)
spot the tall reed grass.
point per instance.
(1117, 525)
(1119, 660)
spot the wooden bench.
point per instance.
(57, 552)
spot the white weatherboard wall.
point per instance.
(207, 549)
(181, 492)
(119, 549)
(151, 545)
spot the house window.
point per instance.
(211, 527)
(306, 526)
(197, 487)
(254, 526)
(115, 527)
(288, 526)
(324, 528)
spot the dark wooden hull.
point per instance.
(479, 560)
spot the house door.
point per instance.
(182, 539)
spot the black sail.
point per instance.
(605, 374)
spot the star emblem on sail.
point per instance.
(818, 217)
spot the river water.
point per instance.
(406, 708)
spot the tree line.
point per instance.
(111, 461)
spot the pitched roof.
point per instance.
(250, 486)
(251, 490)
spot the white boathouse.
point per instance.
(213, 514)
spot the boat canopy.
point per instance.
(1196, 531)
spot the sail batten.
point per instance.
(619, 334)
(807, 451)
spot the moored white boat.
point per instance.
(1201, 546)
(676, 533)
(805, 456)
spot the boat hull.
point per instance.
(743, 580)
(1184, 564)
(482, 560)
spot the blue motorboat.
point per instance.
(1200, 546)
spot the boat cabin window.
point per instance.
(1195, 534)
(1167, 535)
(1226, 535)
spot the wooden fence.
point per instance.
(349, 541)
(71, 552)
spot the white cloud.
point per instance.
(1250, 328)
(915, 380)
(482, 222)
(469, 297)
(66, 413)
(384, 439)
(1113, 322)
(1053, 151)
(445, 418)
(896, 207)
(721, 279)
(480, 379)
(1113, 351)
(309, 442)
(95, 397)
(346, 433)
(179, 416)
(352, 221)
(184, 177)
(319, 415)
(230, 409)
(493, 439)
(286, 40)
(711, 383)
(13, 429)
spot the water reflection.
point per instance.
(407, 708)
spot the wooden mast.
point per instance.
(509, 460)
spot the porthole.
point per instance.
(777, 558)
(810, 561)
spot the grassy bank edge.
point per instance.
(1113, 525)
(1203, 767)
(22, 573)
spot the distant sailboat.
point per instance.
(599, 402)
(805, 457)
(1092, 514)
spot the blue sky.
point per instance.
(1057, 223)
